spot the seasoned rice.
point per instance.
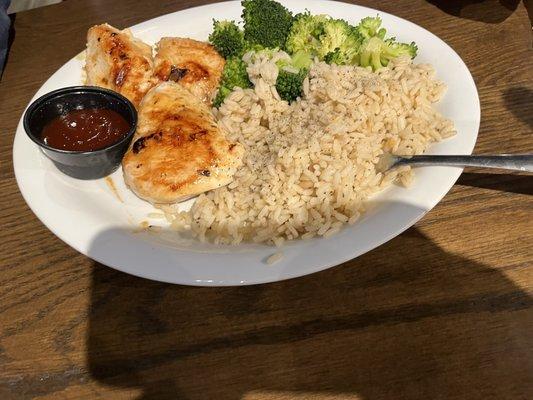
(310, 166)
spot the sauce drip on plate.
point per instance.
(85, 130)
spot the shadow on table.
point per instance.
(518, 100)
(406, 320)
(491, 11)
(503, 182)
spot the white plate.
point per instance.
(88, 216)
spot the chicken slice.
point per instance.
(195, 65)
(178, 151)
(118, 61)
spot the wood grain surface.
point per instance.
(444, 311)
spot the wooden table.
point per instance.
(444, 311)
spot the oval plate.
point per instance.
(102, 218)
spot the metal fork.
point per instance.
(516, 162)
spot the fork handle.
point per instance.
(516, 162)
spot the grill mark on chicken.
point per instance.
(195, 72)
(195, 65)
(140, 143)
(196, 135)
(176, 74)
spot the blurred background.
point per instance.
(488, 11)
(23, 5)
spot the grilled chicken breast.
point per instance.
(178, 151)
(118, 61)
(195, 65)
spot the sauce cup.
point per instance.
(93, 164)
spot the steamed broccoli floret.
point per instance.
(234, 74)
(335, 57)
(266, 22)
(342, 57)
(320, 35)
(370, 53)
(222, 93)
(410, 49)
(338, 34)
(289, 84)
(299, 60)
(305, 33)
(377, 53)
(369, 27)
(292, 74)
(262, 51)
(227, 38)
(257, 48)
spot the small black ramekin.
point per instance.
(80, 164)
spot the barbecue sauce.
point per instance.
(85, 130)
